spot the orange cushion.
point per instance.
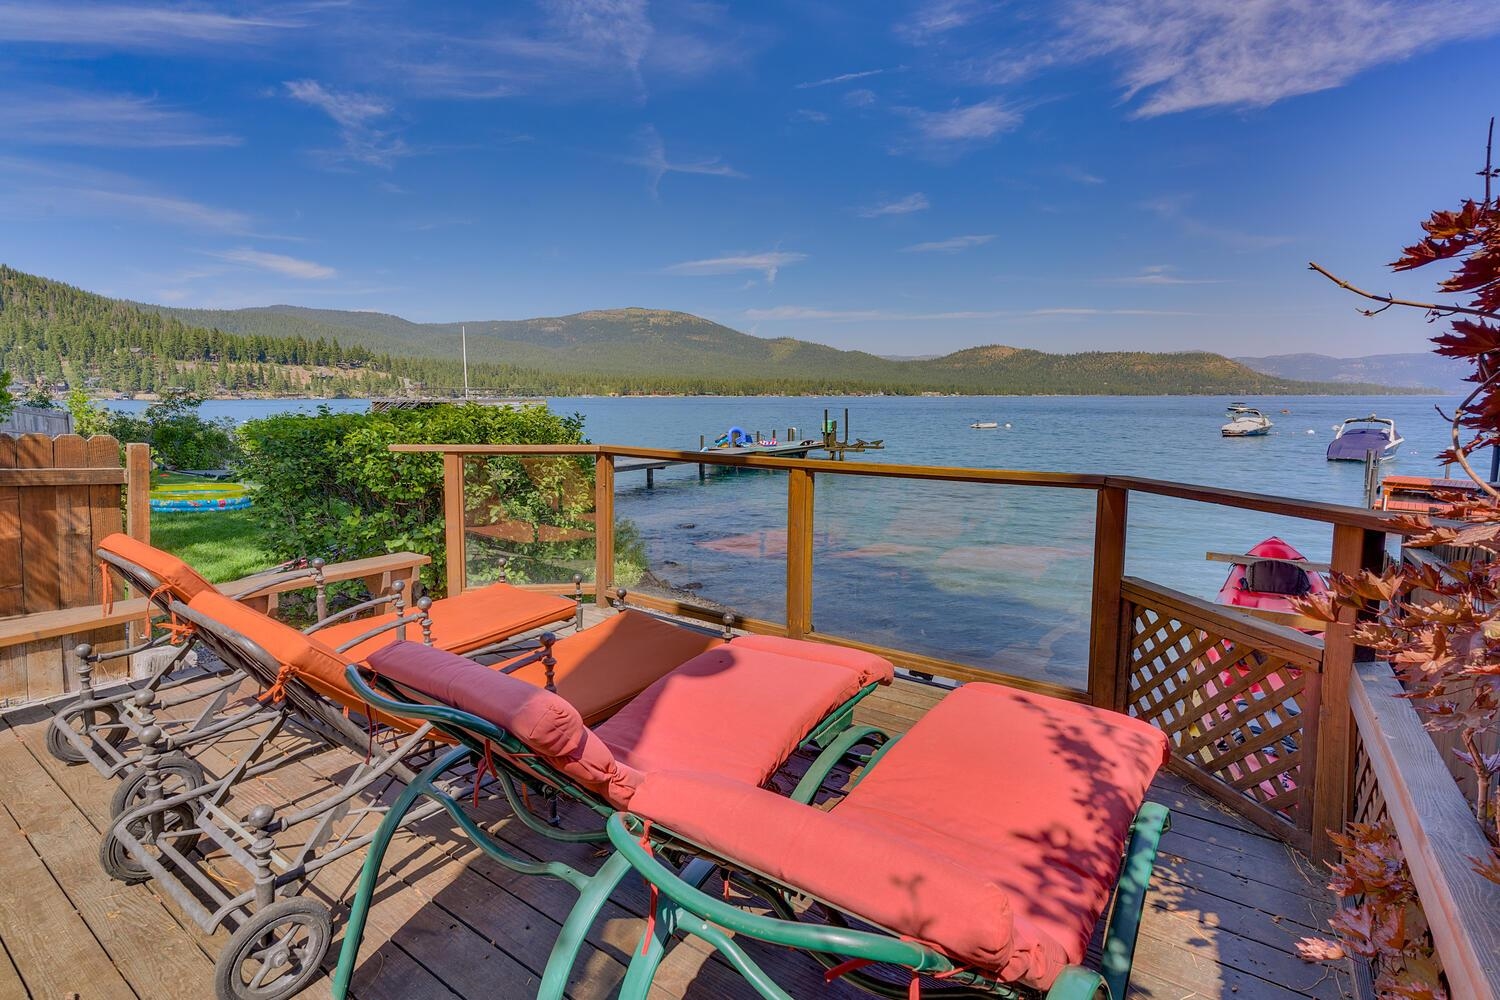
(185, 581)
(544, 721)
(871, 669)
(469, 621)
(603, 667)
(1035, 794)
(992, 831)
(735, 711)
(314, 663)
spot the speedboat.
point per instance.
(1245, 421)
(985, 425)
(1358, 437)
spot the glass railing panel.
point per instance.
(717, 543)
(997, 578)
(528, 518)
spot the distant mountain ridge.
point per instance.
(1407, 371)
(637, 342)
(54, 332)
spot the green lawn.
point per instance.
(222, 545)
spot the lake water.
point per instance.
(995, 577)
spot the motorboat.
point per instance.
(1245, 421)
(1358, 437)
(985, 425)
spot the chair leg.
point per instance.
(359, 909)
(574, 932)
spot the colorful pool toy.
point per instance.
(198, 497)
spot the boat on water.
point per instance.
(985, 425)
(1358, 437)
(1245, 421)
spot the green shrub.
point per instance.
(179, 438)
(7, 401)
(328, 485)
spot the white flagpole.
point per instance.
(463, 332)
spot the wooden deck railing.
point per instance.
(1258, 713)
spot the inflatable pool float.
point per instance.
(222, 503)
(198, 497)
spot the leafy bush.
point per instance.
(328, 485)
(179, 438)
(7, 401)
(88, 419)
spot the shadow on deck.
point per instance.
(1226, 906)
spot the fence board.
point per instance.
(62, 497)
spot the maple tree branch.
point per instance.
(1391, 300)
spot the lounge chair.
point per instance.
(170, 806)
(737, 712)
(982, 850)
(93, 728)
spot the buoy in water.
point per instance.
(1007, 426)
(1311, 431)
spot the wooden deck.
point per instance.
(1227, 903)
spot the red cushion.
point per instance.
(317, 664)
(544, 721)
(993, 830)
(1033, 793)
(855, 867)
(186, 582)
(733, 711)
(871, 669)
(469, 621)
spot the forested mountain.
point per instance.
(54, 332)
(1415, 370)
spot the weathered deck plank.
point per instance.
(1226, 906)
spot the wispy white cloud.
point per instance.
(291, 267)
(130, 26)
(1091, 311)
(810, 116)
(355, 115)
(618, 29)
(934, 19)
(157, 208)
(1182, 55)
(1080, 175)
(768, 264)
(963, 125)
(955, 244)
(1159, 274)
(653, 157)
(899, 206)
(57, 117)
(1174, 209)
(841, 78)
(860, 98)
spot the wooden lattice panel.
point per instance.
(1367, 805)
(1232, 711)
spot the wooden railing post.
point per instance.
(1332, 751)
(138, 491)
(604, 528)
(799, 552)
(453, 522)
(1107, 674)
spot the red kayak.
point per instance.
(1270, 586)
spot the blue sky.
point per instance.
(907, 178)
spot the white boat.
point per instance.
(985, 425)
(1359, 436)
(1245, 421)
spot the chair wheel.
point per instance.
(60, 747)
(116, 859)
(179, 773)
(276, 953)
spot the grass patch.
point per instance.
(222, 545)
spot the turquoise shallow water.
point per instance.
(988, 576)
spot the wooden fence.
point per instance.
(37, 420)
(58, 497)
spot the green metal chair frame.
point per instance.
(684, 908)
(480, 741)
